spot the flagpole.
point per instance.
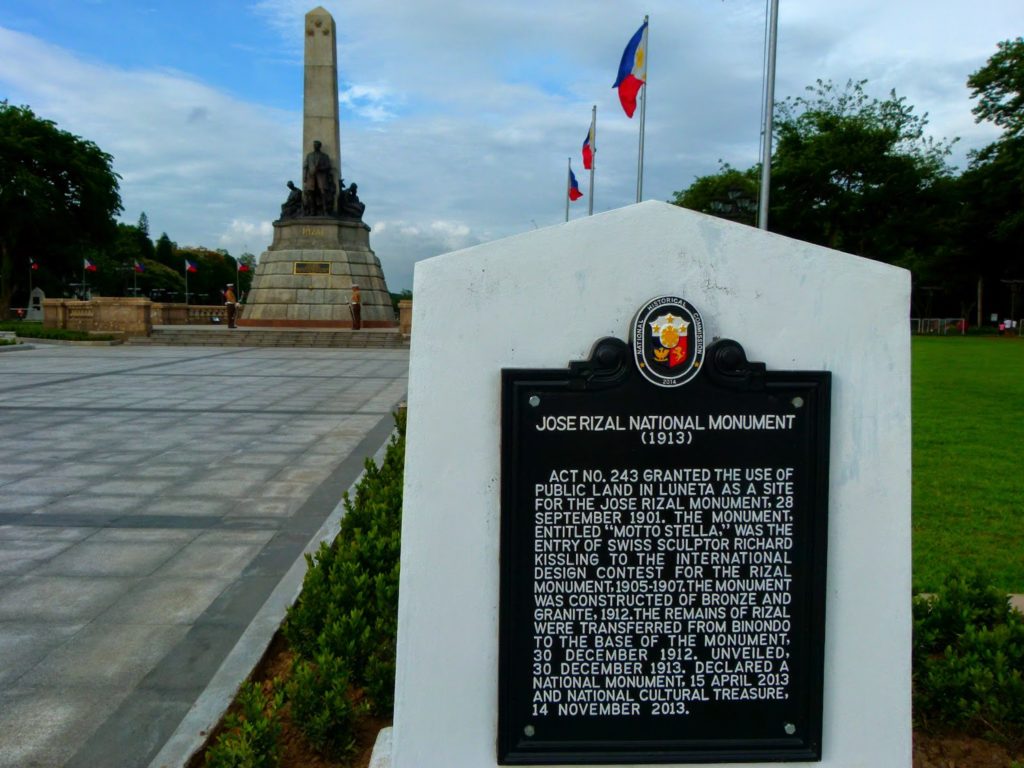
(593, 157)
(568, 186)
(769, 109)
(186, 282)
(83, 279)
(643, 114)
(30, 264)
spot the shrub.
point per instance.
(320, 707)
(964, 600)
(33, 330)
(306, 616)
(969, 659)
(349, 602)
(250, 736)
(379, 677)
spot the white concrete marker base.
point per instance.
(540, 300)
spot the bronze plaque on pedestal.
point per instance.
(311, 268)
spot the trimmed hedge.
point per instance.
(342, 628)
(344, 625)
(32, 330)
(250, 736)
(969, 660)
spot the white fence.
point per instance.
(939, 326)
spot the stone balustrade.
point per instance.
(124, 316)
(203, 314)
(405, 317)
(165, 313)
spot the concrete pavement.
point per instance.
(151, 499)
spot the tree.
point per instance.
(166, 251)
(999, 88)
(729, 194)
(214, 270)
(849, 172)
(856, 173)
(160, 282)
(145, 245)
(992, 219)
(58, 199)
(115, 275)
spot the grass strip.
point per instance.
(968, 483)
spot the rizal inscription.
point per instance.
(664, 510)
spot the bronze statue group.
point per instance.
(318, 194)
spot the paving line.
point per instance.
(117, 372)
(208, 709)
(165, 410)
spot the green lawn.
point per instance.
(968, 398)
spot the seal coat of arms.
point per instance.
(668, 341)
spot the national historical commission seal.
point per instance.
(668, 341)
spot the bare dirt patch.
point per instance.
(952, 751)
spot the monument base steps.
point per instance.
(274, 337)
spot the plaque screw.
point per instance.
(528, 730)
(789, 728)
(798, 402)
(534, 401)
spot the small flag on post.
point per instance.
(190, 266)
(243, 267)
(588, 148)
(574, 187)
(88, 266)
(32, 263)
(139, 268)
(632, 70)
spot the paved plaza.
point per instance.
(151, 500)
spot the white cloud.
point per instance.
(458, 116)
(246, 231)
(192, 157)
(374, 103)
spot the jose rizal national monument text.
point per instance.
(665, 520)
(320, 258)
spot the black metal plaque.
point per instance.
(662, 557)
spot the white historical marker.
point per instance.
(541, 300)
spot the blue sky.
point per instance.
(457, 116)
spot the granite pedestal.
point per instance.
(305, 278)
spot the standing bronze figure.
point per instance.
(318, 187)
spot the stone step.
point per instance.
(269, 337)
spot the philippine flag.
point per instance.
(574, 187)
(589, 148)
(632, 70)
(139, 268)
(190, 266)
(32, 263)
(243, 267)
(88, 265)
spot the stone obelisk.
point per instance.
(320, 262)
(320, 120)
